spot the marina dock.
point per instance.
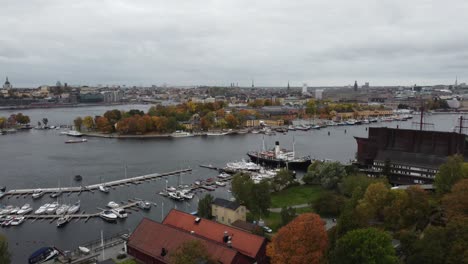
(91, 188)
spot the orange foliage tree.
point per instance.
(303, 240)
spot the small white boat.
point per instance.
(84, 250)
(76, 141)
(17, 221)
(103, 188)
(52, 208)
(223, 175)
(63, 209)
(119, 212)
(63, 220)
(179, 134)
(25, 209)
(38, 193)
(108, 215)
(220, 183)
(185, 194)
(216, 133)
(145, 205)
(74, 208)
(42, 209)
(15, 210)
(175, 196)
(112, 204)
(74, 133)
(171, 189)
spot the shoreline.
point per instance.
(26, 107)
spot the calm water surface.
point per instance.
(39, 158)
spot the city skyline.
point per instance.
(217, 43)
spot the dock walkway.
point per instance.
(79, 189)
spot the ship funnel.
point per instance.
(277, 149)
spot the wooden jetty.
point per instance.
(91, 188)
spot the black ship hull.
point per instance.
(275, 163)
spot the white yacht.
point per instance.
(217, 133)
(42, 209)
(145, 205)
(119, 212)
(113, 204)
(74, 208)
(63, 209)
(17, 221)
(108, 215)
(14, 210)
(175, 196)
(52, 208)
(103, 188)
(25, 209)
(38, 193)
(74, 133)
(220, 183)
(180, 133)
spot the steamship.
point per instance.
(278, 157)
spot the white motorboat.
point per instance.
(220, 183)
(112, 204)
(38, 193)
(83, 140)
(186, 194)
(52, 208)
(103, 188)
(63, 209)
(42, 209)
(217, 133)
(63, 220)
(74, 208)
(74, 133)
(223, 175)
(84, 250)
(108, 215)
(175, 196)
(17, 221)
(56, 194)
(119, 212)
(171, 189)
(145, 205)
(15, 210)
(180, 133)
(25, 209)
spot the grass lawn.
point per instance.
(296, 195)
(128, 261)
(273, 221)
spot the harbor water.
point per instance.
(39, 158)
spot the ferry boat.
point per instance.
(180, 133)
(280, 158)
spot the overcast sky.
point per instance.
(187, 42)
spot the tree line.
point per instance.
(14, 120)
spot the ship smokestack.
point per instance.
(277, 149)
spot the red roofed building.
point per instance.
(247, 244)
(152, 243)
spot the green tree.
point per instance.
(204, 206)
(282, 179)
(449, 173)
(367, 245)
(260, 198)
(328, 174)
(88, 122)
(287, 215)
(78, 122)
(372, 204)
(329, 204)
(45, 121)
(22, 119)
(5, 256)
(351, 182)
(191, 252)
(242, 186)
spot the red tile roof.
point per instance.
(150, 237)
(246, 243)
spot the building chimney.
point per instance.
(197, 220)
(225, 237)
(277, 149)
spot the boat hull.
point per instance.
(274, 163)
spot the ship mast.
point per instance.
(293, 149)
(421, 122)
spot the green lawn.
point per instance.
(128, 261)
(273, 221)
(296, 195)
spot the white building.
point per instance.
(304, 88)
(318, 94)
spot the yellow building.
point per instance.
(227, 212)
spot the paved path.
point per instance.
(278, 210)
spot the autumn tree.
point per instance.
(113, 116)
(204, 206)
(372, 204)
(191, 252)
(3, 122)
(103, 125)
(78, 122)
(232, 121)
(367, 245)
(456, 202)
(22, 119)
(303, 240)
(88, 122)
(5, 256)
(351, 182)
(449, 173)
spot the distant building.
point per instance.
(91, 98)
(355, 86)
(304, 89)
(7, 85)
(366, 85)
(227, 212)
(318, 94)
(412, 156)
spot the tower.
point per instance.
(7, 84)
(355, 86)
(253, 83)
(288, 87)
(456, 81)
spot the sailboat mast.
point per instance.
(293, 150)
(263, 143)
